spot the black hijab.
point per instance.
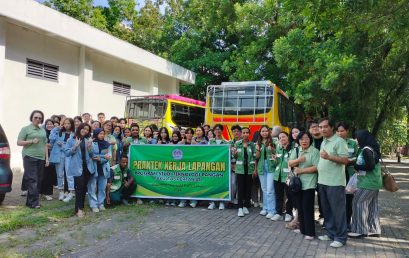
(366, 139)
(102, 144)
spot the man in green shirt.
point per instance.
(331, 183)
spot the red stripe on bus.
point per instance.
(240, 120)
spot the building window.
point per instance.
(42, 70)
(122, 88)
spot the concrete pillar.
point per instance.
(154, 83)
(81, 81)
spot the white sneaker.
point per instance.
(324, 238)
(48, 197)
(193, 204)
(288, 218)
(245, 211)
(277, 217)
(68, 197)
(263, 212)
(269, 215)
(61, 196)
(139, 201)
(102, 208)
(182, 204)
(221, 206)
(211, 206)
(255, 204)
(95, 210)
(240, 213)
(24, 193)
(336, 244)
(260, 204)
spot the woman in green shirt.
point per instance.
(365, 210)
(304, 159)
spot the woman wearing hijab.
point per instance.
(101, 152)
(365, 210)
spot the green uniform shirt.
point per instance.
(312, 157)
(118, 179)
(223, 141)
(251, 152)
(260, 162)
(110, 138)
(282, 169)
(352, 154)
(329, 172)
(372, 180)
(35, 150)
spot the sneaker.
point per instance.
(240, 213)
(182, 204)
(193, 204)
(277, 217)
(263, 212)
(68, 197)
(167, 203)
(102, 208)
(245, 211)
(269, 215)
(139, 201)
(310, 238)
(221, 206)
(173, 203)
(61, 196)
(255, 204)
(48, 197)
(324, 238)
(260, 204)
(336, 244)
(23, 193)
(355, 235)
(297, 231)
(211, 206)
(125, 202)
(95, 210)
(288, 218)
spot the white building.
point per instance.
(54, 63)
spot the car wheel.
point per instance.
(2, 195)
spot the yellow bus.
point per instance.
(169, 111)
(251, 104)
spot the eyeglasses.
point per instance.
(37, 117)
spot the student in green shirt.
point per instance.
(304, 160)
(365, 215)
(331, 183)
(33, 138)
(342, 131)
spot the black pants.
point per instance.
(280, 188)
(32, 178)
(305, 207)
(80, 185)
(256, 192)
(321, 212)
(244, 190)
(48, 180)
(348, 208)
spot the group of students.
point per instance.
(90, 158)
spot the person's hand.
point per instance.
(234, 150)
(48, 146)
(89, 144)
(301, 159)
(77, 142)
(257, 147)
(60, 143)
(112, 143)
(324, 154)
(297, 171)
(273, 157)
(97, 158)
(126, 184)
(255, 174)
(47, 163)
(107, 156)
(35, 140)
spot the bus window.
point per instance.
(187, 116)
(242, 101)
(146, 108)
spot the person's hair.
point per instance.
(311, 123)
(160, 132)
(126, 129)
(291, 135)
(37, 111)
(289, 144)
(114, 117)
(78, 118)
(45, 123)
(220, 126)
(80, 127)
(96, 121)
(236, 127)
(343, 124)
(86, 114)
(190, 130)
(134, 125)
(330, 121)
(365, 138)
(123, 157)
(148, 126)
(122, 119)
(203, 130)
(260, 138)
(71, 123)
(154, 127)
(206, 125)
(100, 113)
(245, 128)
(301, 134)
(120, 131)
(210, 131)
(53, 117)
(178, 134)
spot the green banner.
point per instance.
(199, 172)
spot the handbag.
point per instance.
(351, 187)
(294, 181)
(388, 180)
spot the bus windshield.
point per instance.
(241, 100)
(146, 108)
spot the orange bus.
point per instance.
(164, 110)
(251, 104)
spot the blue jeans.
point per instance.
(267, 186)
(59, 168)
(96, 199)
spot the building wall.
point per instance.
(85, 81)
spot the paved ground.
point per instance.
(187, 232)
